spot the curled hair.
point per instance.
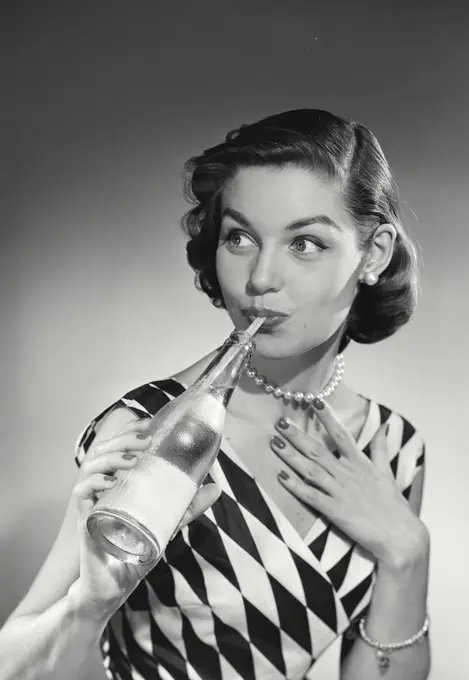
(341, 150)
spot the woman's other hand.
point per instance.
(359, 495)
(105, 583)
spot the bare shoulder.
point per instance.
(351, 407)
(190, 374)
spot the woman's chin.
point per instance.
(274, 347)
(267, 349)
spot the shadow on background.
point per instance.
(31, 533)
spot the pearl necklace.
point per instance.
(270, 388)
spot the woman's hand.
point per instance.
(357, 494)
(105, 582)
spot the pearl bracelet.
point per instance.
(384, 661)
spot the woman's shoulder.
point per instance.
(140, 401)
(190, 374)
(405, 443)
(365, 413)
(407, 454)
(147, 397)
(399, 423)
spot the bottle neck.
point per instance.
(224, 371)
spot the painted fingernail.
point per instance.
(143, 435)
(283, 424)
(318, 404)
(316, 452)
(276, 441)
(283, 475)
(110, 478)
(129, 456)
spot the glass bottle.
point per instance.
(135, 519)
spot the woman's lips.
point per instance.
(270, 321)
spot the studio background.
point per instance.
(111, 99)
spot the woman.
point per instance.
(296, 218)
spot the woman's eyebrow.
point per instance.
(297, 224)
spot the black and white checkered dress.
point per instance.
(238, 593)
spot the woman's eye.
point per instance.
(308, 246)
(234, 238)
(305, 245)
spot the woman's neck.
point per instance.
(308, 372)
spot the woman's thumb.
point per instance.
(204, 498)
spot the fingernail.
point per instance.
(143, 435)
(110, 478)
(129, 456)
(316, 452)
(283, 475)
(283, 424)
(318, 404)
(276, 441)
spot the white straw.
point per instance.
(256, 324)
(253, 328)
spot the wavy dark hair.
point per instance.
(342, 150)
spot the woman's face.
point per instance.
(287, 243)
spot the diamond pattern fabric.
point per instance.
(239, 593)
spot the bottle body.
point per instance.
(134, 520)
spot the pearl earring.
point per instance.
(370, 279)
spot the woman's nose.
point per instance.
(265, 276)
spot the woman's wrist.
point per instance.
(408, 551)
(82, 608)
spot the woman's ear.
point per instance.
(380, 252)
